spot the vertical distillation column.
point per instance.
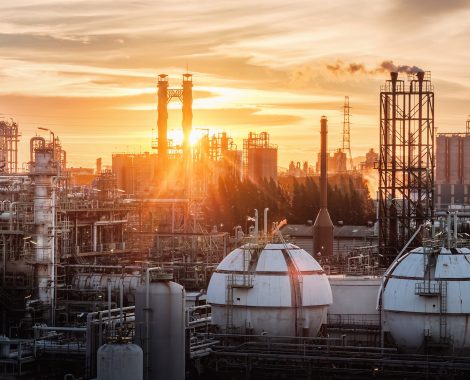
(162, 123)
(187, 127)
(44, 170)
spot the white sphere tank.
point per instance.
(277, 289)
(120, 362)
(426, 300)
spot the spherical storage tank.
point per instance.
(120, 362)
(160, 328)
(277, 289)
(426, 299)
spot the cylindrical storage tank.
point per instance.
(120, 362)
(278, 289)
(426, 300)
(160, 328)
(4, 347)
(98, 281)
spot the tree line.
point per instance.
(231, 201)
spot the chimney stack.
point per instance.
(323, 227)
(162, 121)
(187, 115)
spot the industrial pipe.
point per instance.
(31, 145)
(266, 222)
(256, 225)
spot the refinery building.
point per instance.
(115, 274)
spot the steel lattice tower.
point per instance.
(406, 163)
(347, 132)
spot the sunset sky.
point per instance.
(87, 69)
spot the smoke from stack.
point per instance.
(386, 66)
(390, 66)
(352, 68)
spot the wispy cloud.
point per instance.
(92, 66)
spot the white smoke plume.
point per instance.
(340, 67)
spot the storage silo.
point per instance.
(160, 327)
(426, 299)
(278, 289)
(119, 362)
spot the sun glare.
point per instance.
(176, 136)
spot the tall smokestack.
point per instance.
(162, 121)
(187, 115)
(323, 227)
(323, 163)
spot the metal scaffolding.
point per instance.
(9, 138)
(406, 163)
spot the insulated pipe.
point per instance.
(12, 204)
(455, 227)
(95, 237)
(449, 221)
(121, 302)
(109, 298)
(265, 220)
(459, 214)
(256, 225)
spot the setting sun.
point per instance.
(175, 136)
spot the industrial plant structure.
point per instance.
(126, 269)
(260, 158)
(453, 169)
(406, 162)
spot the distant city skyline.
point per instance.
(87, 70)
